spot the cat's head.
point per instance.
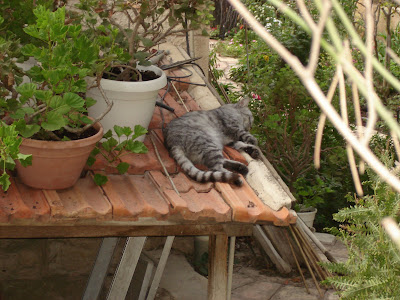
(243, 107)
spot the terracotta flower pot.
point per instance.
(56, 164)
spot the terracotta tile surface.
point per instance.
(12, 207)
(133, 197)
(179, 107)
(139, 163)
(235, 155)
(35, 200)
(84, 200)
(189, 101)
(144, 193)
(180, 86)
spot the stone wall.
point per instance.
(55, 269)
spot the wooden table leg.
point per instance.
(217, 267)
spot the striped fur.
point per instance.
(199, 137)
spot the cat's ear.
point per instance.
(244, 102)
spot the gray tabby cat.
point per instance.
(198, 137)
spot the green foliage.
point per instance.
(15, 14)
(286, 116)
(53, 100)
(10, 74)
(373, 268)
(112, 149)
(9, 153)
(150, 22)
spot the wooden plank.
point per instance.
(63, 231)
(146, 280)
(261, 237)
(100, 268)
(281, 245)
(126, 268)
(160, 268)
(140, 283)
(217, 267)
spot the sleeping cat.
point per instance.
(198, 137)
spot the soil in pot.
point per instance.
(130, 75)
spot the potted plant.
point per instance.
(127, 77)
(50, 112)
(309, 197)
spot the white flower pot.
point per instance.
(133, 101)
(308, 217)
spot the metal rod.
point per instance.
(230, 265)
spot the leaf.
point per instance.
(108, 134)
(118, 130)
(25, 159)
(26, 130)
(86, 119)
(5, 181)
(91, 160)
(100, 179)
(136, 147)
(147, 42)
(127, 131)
(140, 55)
(122, 167)
(43, 95)
(139, 131)
(80, 85)
(27, 89)
(55, 121)
(74, 100)
(56, 101)
(109, 144)
(90, 102)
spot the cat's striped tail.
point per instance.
(203, 176)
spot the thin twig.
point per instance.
(321, 123)
(317, 36)
(357, 111)
(392, 228)
(396, 145)
(305, 260)
(350, 153)
(368, 73)
(180, 98)
(162, 164)
(296, 261)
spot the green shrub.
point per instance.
(373, 268)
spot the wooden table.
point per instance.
(140, 206)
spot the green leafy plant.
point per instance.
(310, 196)
(51, 107)
(112, 149)
(10, 74)
(127, 30)
(285, 115)
(373, 268)
(9, 153)
(16, 14)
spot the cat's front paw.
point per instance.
(251, 140)
(253, 152)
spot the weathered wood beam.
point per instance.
(59, 231)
